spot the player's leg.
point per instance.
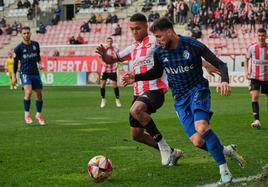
(116, 89)
(139, 135)
(10, 81)
(254, 92)
(264, 90)
(27, 87)
(102, 89)
(141, 109)
(38, 87)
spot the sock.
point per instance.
(153, 131)
(214, 146)
(223, 168)
(255, 109)
(102, 91)
(38, 106)
(116, 92)
(27, 104)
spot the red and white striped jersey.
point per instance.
(141, 58)
(258, 63)
(110, 68)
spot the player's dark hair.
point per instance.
(138, 17)
(262, 30)
(161, 24)
(26, 28)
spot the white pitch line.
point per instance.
(237, 180)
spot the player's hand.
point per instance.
(224, 89)
(40, 66)
(212, 70)
(247, 76)
(101, 50)
(128, 78)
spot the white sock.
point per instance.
(38, 113)
(223, 168)
(26, 113)
(163, 143)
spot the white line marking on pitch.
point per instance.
(237, 180)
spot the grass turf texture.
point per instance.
(77, 129)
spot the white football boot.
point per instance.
(165, 152)
(231, 151)
(226, 178)
(117, 103)
(175, 156)
(103, 103)
(256, 124)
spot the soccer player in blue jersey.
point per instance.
(27, 53)
(181, 58)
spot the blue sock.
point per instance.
(214, 146)
(27, 104)
(39, 105)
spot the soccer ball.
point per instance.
(99, 168)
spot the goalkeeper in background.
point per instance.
(9, 68)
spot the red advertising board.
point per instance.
(71, 63)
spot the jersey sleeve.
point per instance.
(249, 52)
(124, 55)
(38, 52)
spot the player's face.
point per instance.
(163, 38)
(139, 30)
(26, 35)
(109, 42)
(261, 38)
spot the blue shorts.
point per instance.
(194, 107)
(33, 80)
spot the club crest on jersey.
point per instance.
(148, 45)
(165, 59)
(186, 54)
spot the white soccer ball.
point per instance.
(99, 168)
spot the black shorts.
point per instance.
(257, 85)
(153, 99)
(112, 76)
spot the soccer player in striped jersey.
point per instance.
(27, 53)
(256, 70)
(180, 58)
(148, 95)
(108, 71)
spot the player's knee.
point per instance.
(197, 140)
(135, 111)
(201, 126)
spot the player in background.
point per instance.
(27, 53)
(9, 68)
(180, 57)
(109, 71)
(148, 95)
(256, 71)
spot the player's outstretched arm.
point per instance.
(154, 73)
(212, 70)
(224, 89)
(108, 59)
(128, 79)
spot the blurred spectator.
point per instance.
(183, 12)
(170, 9)
(195, 8)
(26, 4)
(30, 13)
(196, 32)
(153, 16)
(8, 29)
(56, 53)
(99, 18)
(72, 40)
(147, 6)
(80, 39)
(117, 30)
(92, 19)
(15, 28)
(1, 31)
(42, 29)
(19, 4)
(108, 18)
(57, 13)
(84, 27)
(3, 22)
(114, 19)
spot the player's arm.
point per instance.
(246, 68)
(40, 66)
(223, 88)
(108, 59)
(151, 74)
(15, 69)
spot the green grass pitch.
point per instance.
(77, 129)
